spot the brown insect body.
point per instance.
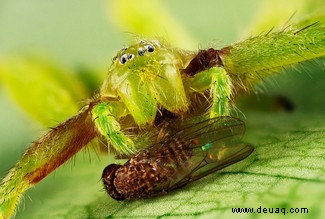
(143, 175)
(184, 157)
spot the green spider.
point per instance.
(132, 87)
(150, 82)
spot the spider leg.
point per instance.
(218, 81)
(105, 117)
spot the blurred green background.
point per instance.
(82, 37)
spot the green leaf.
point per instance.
(44, 90)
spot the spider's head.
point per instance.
(145, 76)
(145, 60)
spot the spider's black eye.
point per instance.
(141, 51)
(130, 56)
(124, 58)
(150, 48)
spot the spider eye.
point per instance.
(124, 58)
(141, 51)
(130, 56)
(150, 48)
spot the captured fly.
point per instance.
(187, 155)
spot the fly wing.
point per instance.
(200, 149)
(212, 162)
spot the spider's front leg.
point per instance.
(105, 116)
(218, 81)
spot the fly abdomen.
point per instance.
(149, 173)
(108, 177)
(175, 152)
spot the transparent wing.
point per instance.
(211, 163)
(198, 149)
